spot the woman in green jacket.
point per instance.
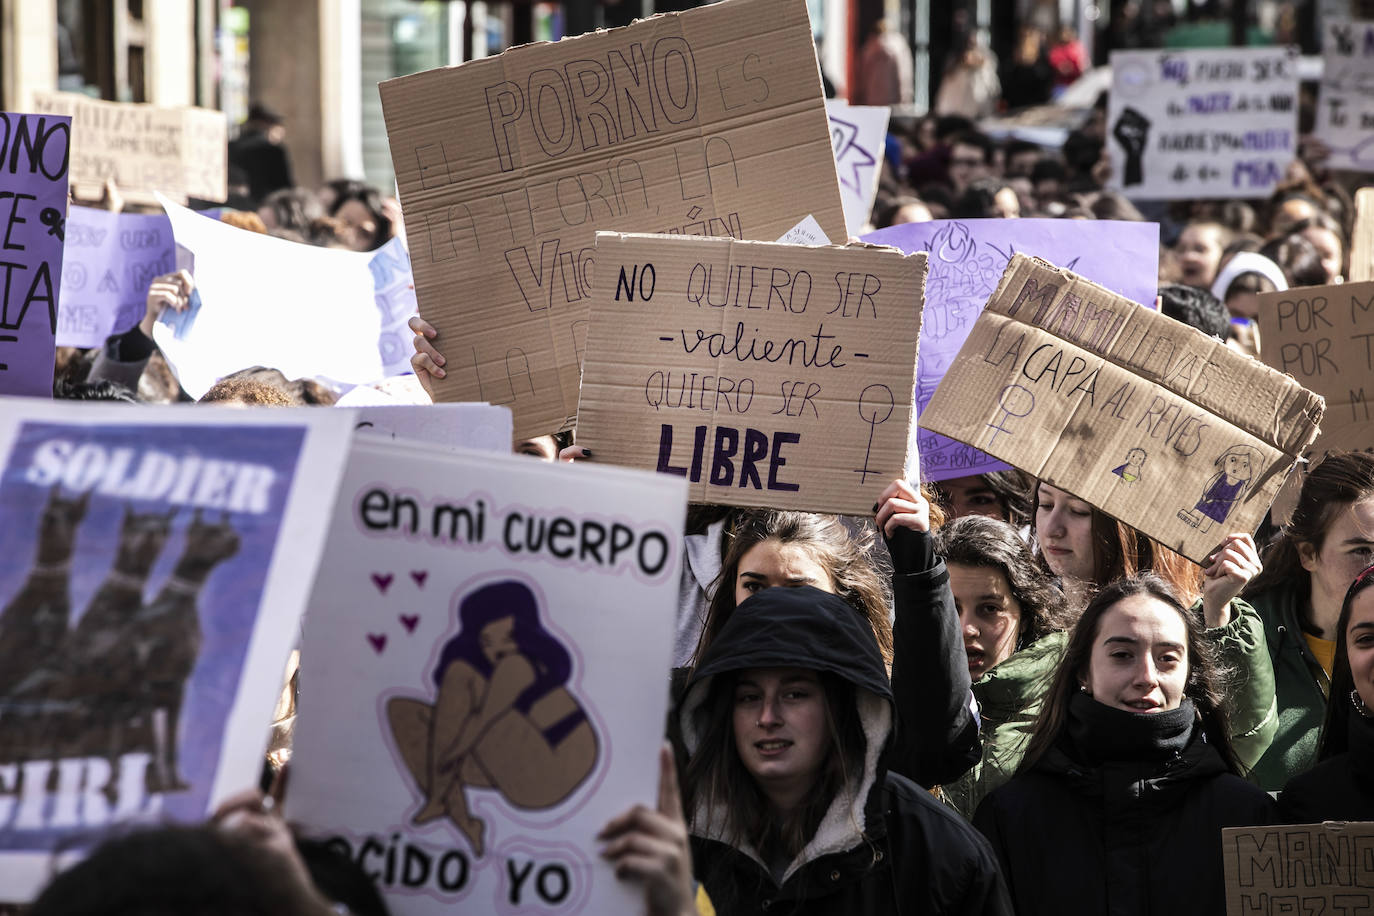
(1307, 570)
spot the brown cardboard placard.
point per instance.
(1151, 421)
(1362, 238)
(1304, 868)
(707, 122)
(767, 374)
(1323, 336)
(179, 152)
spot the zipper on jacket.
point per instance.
(1322, 678)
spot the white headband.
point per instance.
(1248, 262)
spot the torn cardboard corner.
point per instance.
(767, 374)
(1149, 420)
(143, 149)
(1299, 868)
(706, 122)
(1323, 336)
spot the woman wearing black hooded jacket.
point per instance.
(1129, 777)
(787, 720)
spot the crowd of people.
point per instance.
(990, 697)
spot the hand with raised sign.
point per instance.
(427, 362)
(169, 291)
(1225, 573)
(651, 847)
(1132, 131)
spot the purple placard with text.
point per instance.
(35, 151)
(111, 258)
(967, 258)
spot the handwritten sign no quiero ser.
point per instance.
(765, 374)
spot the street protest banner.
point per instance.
(1344, 121)
(160, 559)
(1311, 868)
(443, 573)
(1209, 122)
(264, 301)
(967, 258)
(107, 264)
(145, 150)
(766, 374)
(450, 426)
(1323, 336)
(858, 134)
(1151, 421)
(706, 122)
(34, 155)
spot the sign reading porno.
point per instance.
(707, 122)
(1151, 421)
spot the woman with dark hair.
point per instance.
(1307, 569)
(360, 209)
(997, 494)
(503, 717)
(1088, 550)
(938, 738)
(787, 719)
(1013, 619)
(1129, 773)
(1341, 786)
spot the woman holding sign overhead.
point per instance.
(1130, 774)
(1088, 550)
(788, 717)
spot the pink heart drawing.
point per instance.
(378, 641)
(419, 576)
(410, 622)
(383, 582)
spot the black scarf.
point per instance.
(1104, 734)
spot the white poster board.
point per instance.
(1206, 122)
(264, 301)
(1345, 121)
(191, 536)
(445, 573)
(454, 427)
(859, 136)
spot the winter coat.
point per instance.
(1122, 816)
(883, 845)
(936, 736)
(1009, 698)
(1340, 788)
(1300, 686)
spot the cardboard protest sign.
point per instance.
(1206, 122)
(1321, 335)
(1344, 122)
(450, 426)
(766, 374)
(108, 262)
(34, 155)
(1312, 868)
(159, 561)
(443, 573)
(706, 122)
(304, 310)
(1151, 421)
(859, 136)
(967, 258)
(144, 149)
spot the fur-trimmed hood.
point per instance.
(800, 627)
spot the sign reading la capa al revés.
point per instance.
(707, 122)
(766, 374)
(1149, 420)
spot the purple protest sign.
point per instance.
(35, 151)
(110, 258)
(967, 258)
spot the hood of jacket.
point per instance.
(800, 627)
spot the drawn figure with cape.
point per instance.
(1225, 488)
(503, 718)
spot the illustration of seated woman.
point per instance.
(503, 718)
(1237, 468)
